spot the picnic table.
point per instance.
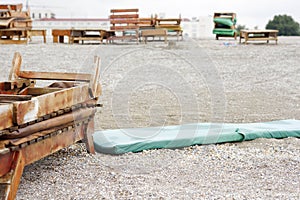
(258, 35)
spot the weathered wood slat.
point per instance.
(7, 97)
(6, 116)
(124, 10)
(39, 91)
(45, 104)
(124, 28)
(124, 16)
(95, 79)
(55, 76)
(16, 65)
(13, 41)
(124, 21)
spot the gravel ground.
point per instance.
(164, 84)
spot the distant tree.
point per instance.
(285, 24)
(239, 28)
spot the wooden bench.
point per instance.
(154, 33)
(124, 22)
(258, 35)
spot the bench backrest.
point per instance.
(124, 19)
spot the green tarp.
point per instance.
(134, 140)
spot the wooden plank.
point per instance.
(260, 38)
(11, 180)
(39, 106)
(6, 116)
(124, 21)
(124, 16)
(55, 76)
(6, 158)
(13, 41)
(60, 32)
(99, 38)
(124, 28)
(11, 97)
(89, 130)
(124, 10)
(259, 31)
(16, 65)
(40, 91)
(95, 79)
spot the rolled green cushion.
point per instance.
(225, 21)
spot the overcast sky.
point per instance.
(250, 13)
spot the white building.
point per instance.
(41, 14)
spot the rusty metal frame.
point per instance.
(31, 128)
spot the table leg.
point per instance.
(61, 39)
(55, 38)
(44, 35)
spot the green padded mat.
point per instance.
(134, 140)
(222, 31)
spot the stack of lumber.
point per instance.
(38, 121)
(14, 22)
(225, 25)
